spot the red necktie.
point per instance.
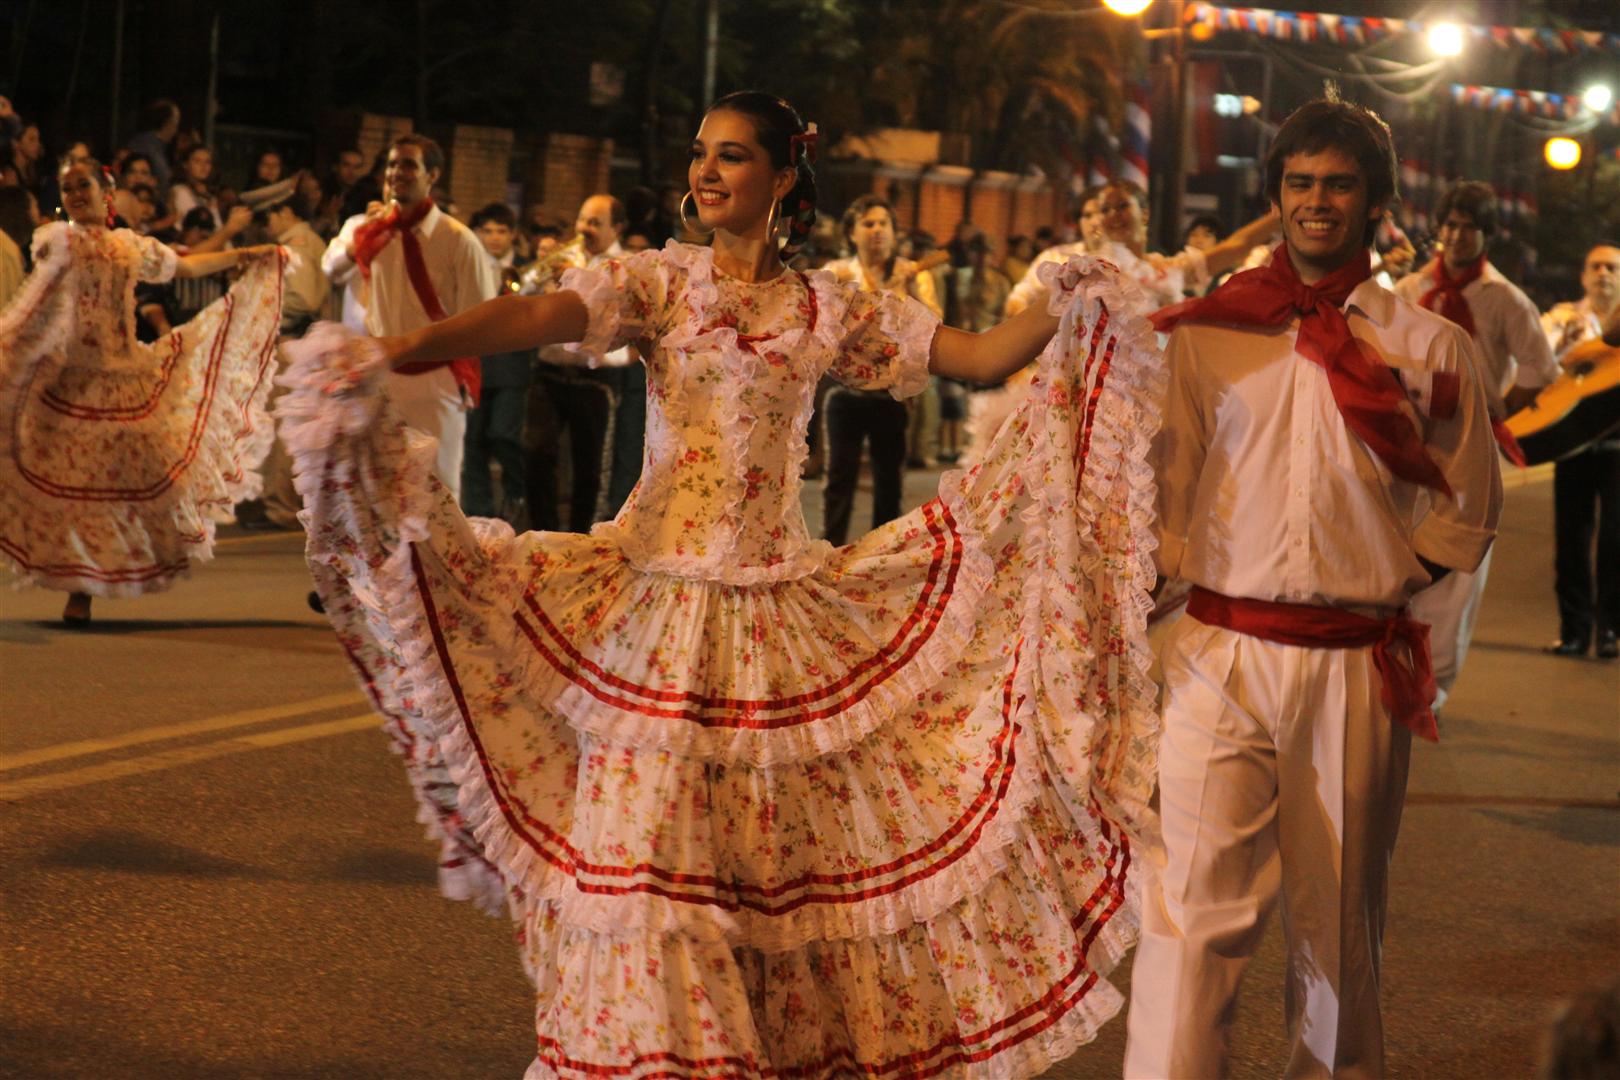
(371, 238)
(1366, 391)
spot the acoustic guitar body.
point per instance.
(1581, 407)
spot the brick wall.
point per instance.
(563, 170)
(375, 132)
(480, 158)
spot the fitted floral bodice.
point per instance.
(731, 374)
(104, 266)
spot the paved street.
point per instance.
(210, 867)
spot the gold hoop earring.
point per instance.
(686, 223)
(771, 222)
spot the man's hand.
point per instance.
(1520, 397)
(239, 218)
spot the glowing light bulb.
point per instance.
(1563, 153)
(1446, 39)
(1598, 98)
(1127, 7)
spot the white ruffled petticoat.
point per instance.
(117, 457)
(876, 815)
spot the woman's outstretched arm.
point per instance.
(504, 324)
(995, 354)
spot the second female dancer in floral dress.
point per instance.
(117, 457)
(763, 807)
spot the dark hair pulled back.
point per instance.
(790, 143)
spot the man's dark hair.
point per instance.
(1330, 124)
(432, 156)
(199, 217)
(130, 159)
(1202, 221)
(1093, 192)
(1469, 197)
(499, 213)
(857, 210)
(155, 115)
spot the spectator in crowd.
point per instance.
(871, 419)
(191, 189)
(16, 233)
(1203, 232)
(370, 187)
(340, 180)
(495, 426)
(27, 150)
(974, 301)
(134, 170)
(1020, 253)
(159, 124)
(267, 170)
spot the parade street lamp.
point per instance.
(1127, 7)
(1597, 97)
(1446, 39)
(1563, 153)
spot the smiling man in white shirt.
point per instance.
(1515, 363)
(422, 266)
(1325, 453)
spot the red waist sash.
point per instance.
(1408, 682)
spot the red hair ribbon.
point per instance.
(108, 185)
(802, 147)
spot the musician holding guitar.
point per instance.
(1586, 483)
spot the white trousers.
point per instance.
(1451, 608)
(1278, 771)
(431, 403)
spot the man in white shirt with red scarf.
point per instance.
(1515, 363)
(422, 266)
(1325, 453)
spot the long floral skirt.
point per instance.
(112, 477)
(883, 819)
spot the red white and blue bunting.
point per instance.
(1313, 27)
(1527, 102)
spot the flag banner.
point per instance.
(1526, 102)
(1313, 27)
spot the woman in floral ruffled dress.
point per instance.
(117, 457)
(763, 807)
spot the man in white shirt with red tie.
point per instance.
(1325, 453)
(1515, 363)
(422, 266)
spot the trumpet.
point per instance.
(545, 269)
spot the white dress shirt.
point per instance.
(1265, 493)
(341, 271)
(1507, 328)
(462, 273)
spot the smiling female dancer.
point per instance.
(762, 806)
(117, 457)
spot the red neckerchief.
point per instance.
(370, 239)
(1445, 296)
(1407, 687)
(1366, 391)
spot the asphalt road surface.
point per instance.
(210, 865)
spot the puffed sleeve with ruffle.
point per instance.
(156, 262)
(626, 300)
(885, 343)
